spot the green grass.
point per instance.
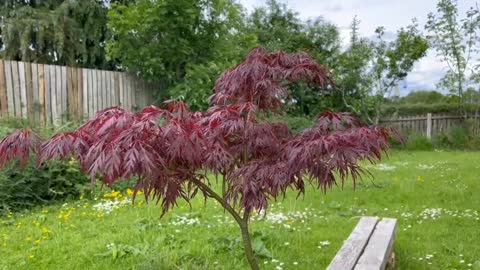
(444, 185)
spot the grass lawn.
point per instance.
(434, 196)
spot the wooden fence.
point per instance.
(56, 94)
(427, 125)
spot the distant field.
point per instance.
(434, 195)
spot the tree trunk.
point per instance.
(247, 243)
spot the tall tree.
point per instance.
(178, 41)
(277, 27)
(64, 32)
(353, 73)
(393, 60)
(456, 40)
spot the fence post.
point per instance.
(429, 125)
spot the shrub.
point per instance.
(421, 109)
(418, 142)
(27, 187)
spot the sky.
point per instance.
(392, 14)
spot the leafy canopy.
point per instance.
(55, 32)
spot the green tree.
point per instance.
(184, 44)
(395, 59)
(276, 27)
(423, 97)
(63, 32)
(353, 74)
(456, 40)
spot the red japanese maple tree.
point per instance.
(171, 149)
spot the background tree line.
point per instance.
(186, 44)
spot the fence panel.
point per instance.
(425, 125)
(57, 94)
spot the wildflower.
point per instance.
(113, 194)
(420, 179)
(45, 230)
(325, 243)
(31, 256)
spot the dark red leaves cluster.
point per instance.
(18, 146)
(261, 79)
(170, 150)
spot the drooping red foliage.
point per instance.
(169, 150)
(18, 146)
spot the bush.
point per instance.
(30, 186)
(417, 109)
(418, 142)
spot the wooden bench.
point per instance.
(369, 247)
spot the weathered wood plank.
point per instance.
(106, 85)
(16, 89)
(113, 89)
(353, 247)
(10, 89)
(79, 81)
(128, 92)
(56, 94)
(35, 94)
(70, 104)
(3, 92)
(29, 89)
(63, 91)
(93, 93)
(41, 93)
(99, 93)
(116, 79)
(48, 95)
(86, 100)
(110, 89)
(23, 89)
(380, 246)
(104, 90)
(119, 82)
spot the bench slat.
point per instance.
(379, 247)
(353, 247)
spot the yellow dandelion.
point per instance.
(28, 239)
(31, 256)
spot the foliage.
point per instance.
(368, 70)
(388, 110)
(352, 74)
(55, 32)
(182, 44)
(417, 142)
(31, 186)
(456, 42)
(170, 149)
(394, 60)
(277, 27)
(423, 97)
